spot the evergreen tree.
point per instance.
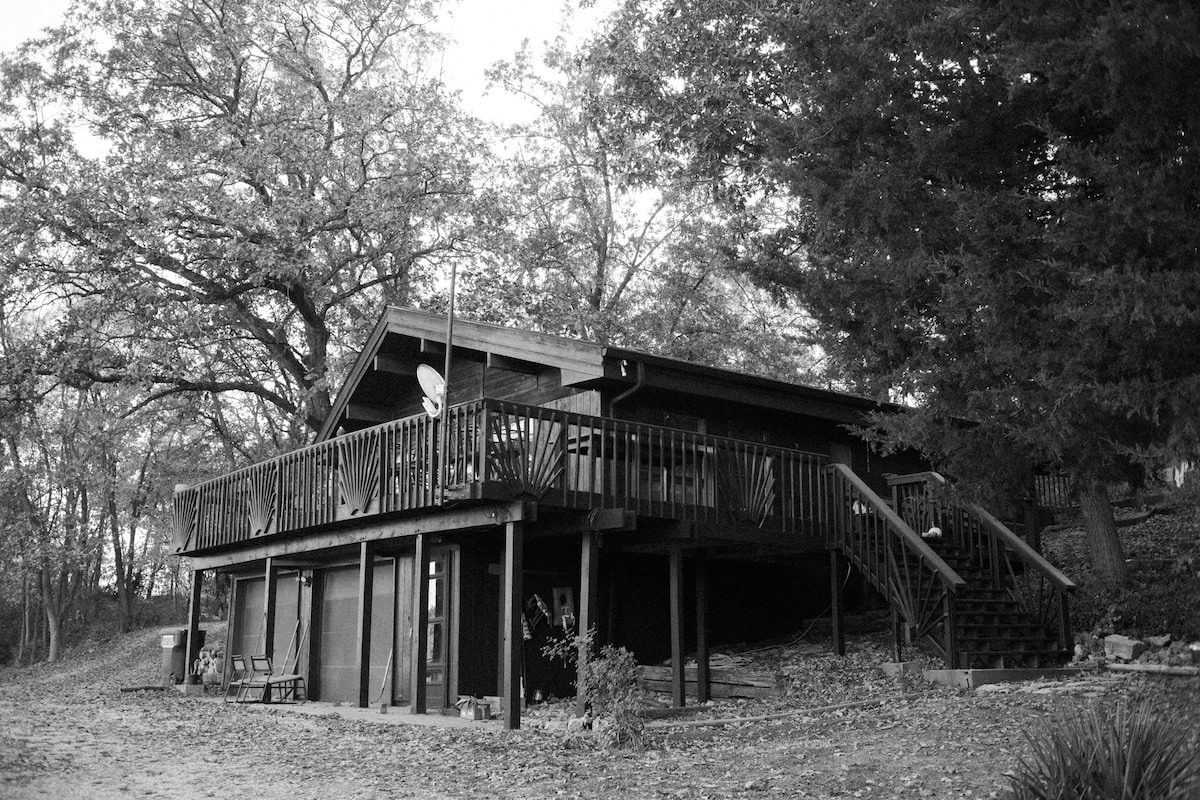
(990, 209)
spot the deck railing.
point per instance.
(1042, 590)
(894, 559)
(506, 449)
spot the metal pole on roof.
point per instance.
(443, 473)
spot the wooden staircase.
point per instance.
(970, 586)
(993, 628)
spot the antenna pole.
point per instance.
(443, 473)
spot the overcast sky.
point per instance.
(486, 31)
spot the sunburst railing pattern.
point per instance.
(893, 558)
(261, 497)
(358, 472)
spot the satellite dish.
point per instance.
(434, 386)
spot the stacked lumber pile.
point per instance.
(729, 676)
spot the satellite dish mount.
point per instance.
(434, 386)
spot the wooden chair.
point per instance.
(290, 687)
(244, 682)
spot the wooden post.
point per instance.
(702, 676)
(951, 632)
(420, 623)
(675, 560)
(193, 638)
(1064, 620)
(366, 591)
(898, 638)
(514, 639)
(269, 596)
(589, 592)
(837, 601)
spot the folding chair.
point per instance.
(289, 686)
(244, 682)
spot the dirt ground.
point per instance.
(66, 731)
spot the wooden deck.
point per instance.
(496, 450)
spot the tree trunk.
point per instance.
(54, 621)
(1108, 558)
(26, 654)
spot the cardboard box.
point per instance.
(475, 710)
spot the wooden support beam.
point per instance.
(589, 594)
(495, 361)
(366, 591)
(675, 563)
(429, 347)
(703, 680)
(570, 377)
(420, 620)
(269, 596)
(514, 640)
(365, 412)
(193, 639)
(394, 365)
(837, 603)
(302, 544)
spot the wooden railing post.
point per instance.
(1064, 619)
(951, 631)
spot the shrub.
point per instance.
(610, 689)
(1097, 753)
(1150, 603)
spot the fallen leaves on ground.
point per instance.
(70, 732)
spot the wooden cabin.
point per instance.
(410, 560)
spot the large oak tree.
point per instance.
(263, 176)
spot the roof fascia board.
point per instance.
(364, 362)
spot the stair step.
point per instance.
(1015, 631)
(1024, 644)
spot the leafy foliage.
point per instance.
(270, 175)
(599, 235)
(1095, 753)
(987, 208)
(610, 689)
(1162, 594)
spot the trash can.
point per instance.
(174, 655)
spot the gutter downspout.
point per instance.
(638, 384)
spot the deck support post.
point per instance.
(193, 635)
(418, 640)
(269, 597)
(589, 593)
(366, 591)
(702, 674)
(514, 639)
(837, 601)
(675, 561)
(898, 636)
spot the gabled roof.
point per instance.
(585, 365)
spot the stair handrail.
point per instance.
(1020, 547)
(1040, 587)
(1002, 532)
(901, 529)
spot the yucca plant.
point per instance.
(1133, 751)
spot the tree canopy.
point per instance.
(269, 174)
(989, 209)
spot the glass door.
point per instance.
(437, 641)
